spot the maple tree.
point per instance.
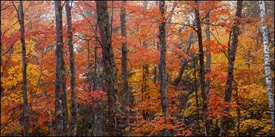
(138, 68)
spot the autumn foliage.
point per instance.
(249, 108)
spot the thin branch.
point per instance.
(219, 43)
(9, 48)
(5, 8)
(172, 10)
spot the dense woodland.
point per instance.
(137, 68)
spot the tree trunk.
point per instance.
(24, 70)
(64, 97)
(98, 129)
(162, 64)
(230, 76)
(202, 71)
(208, 71)
(73, 125)
(0, 52)
(89, 108)
(124, 74)
(58, 82)
(184, 62)
(44, 90)
(95, 57)
(89, 68)
(267, 63)
(195, 88)
(98, 116)
(114, 114)
(238, 111)
(208, 60)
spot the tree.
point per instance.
(208, 69)
(249, 105)
(59, 57)
(0, 52)
(162, 64)
(202, 72)
(124, 74)
(114, 114)
(267, 63)
(73, 125)
(230, 75)
(24, 69)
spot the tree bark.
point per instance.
(89, 68)
(184, 62)
(208, 60)
(24, 70)
(267, 63)
(73, 125)
(0, 51)
(98, 129)
(124, 74)
(208, 71)
(202, 71)
(95, 57)
(114, 114)
(162, 64)
(231, 60)
(195, 88)
(59, 70)
(64, 97)
(98, 116)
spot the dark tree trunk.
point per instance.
(73, 125)
(89, 108)
(24, 70)
(184, 62)
(208, 60)
(238, 111)
(231, 60)
(155, 75)
(202, 71)
(124, 74)
(0, 51)
(95, 57)
(208, 71)
(114, 114)
(64, 97)
(89, 68)
(195, 88)
(59, 70)
(162, 64)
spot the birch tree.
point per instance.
(267, 63)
